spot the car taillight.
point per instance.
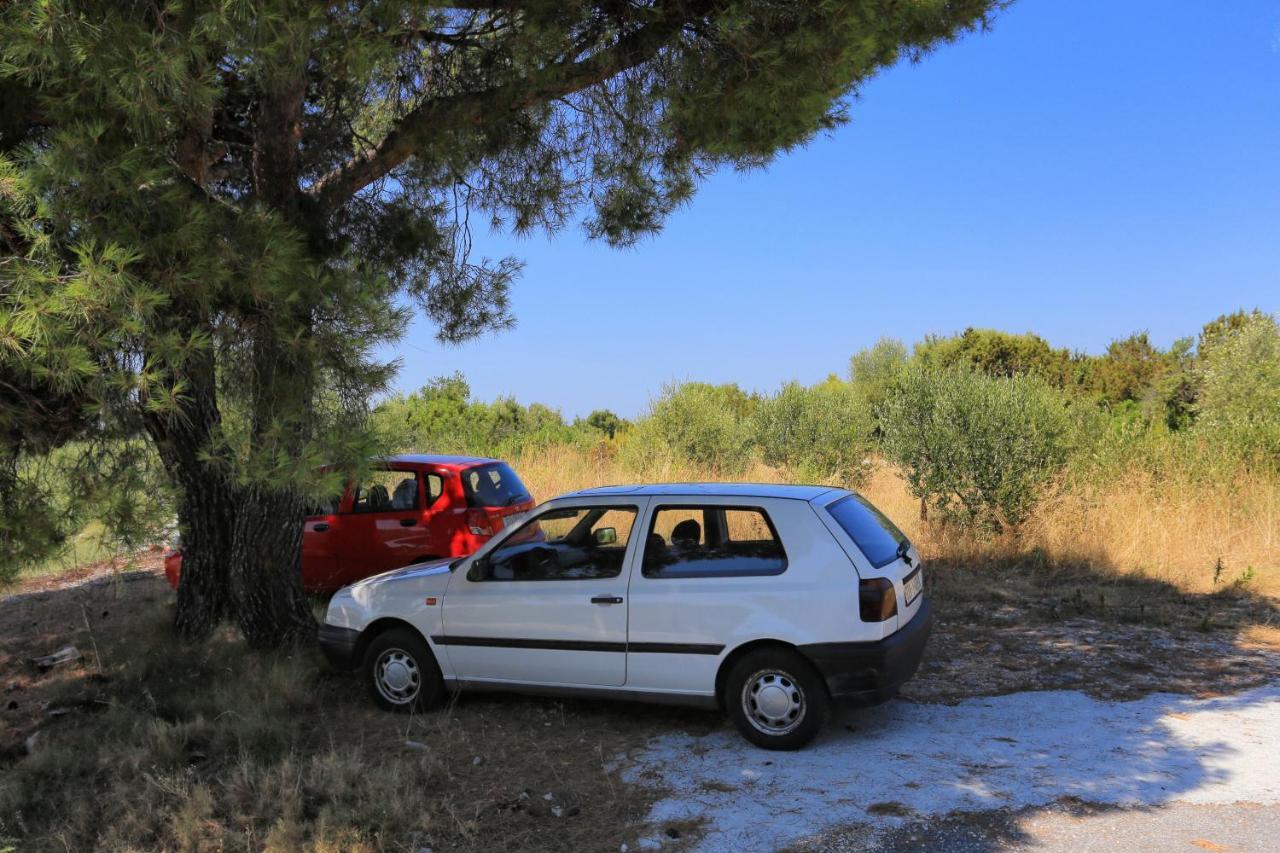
(478, 523)
(877, 600)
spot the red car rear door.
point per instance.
(321, 535)
(384, 527)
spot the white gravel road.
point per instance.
(884, 766)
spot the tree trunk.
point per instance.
(207, 502)
(266, 557)
(206, 517)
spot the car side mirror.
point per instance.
(605, 536)
(479, 569)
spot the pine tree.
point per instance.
(210, 211)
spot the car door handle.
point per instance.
(408, 522)
(606, 599)
(320, 527)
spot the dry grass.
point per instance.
(1197, 537)
(213, 747)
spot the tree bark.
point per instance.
(207, 500)
(266, 559)
(266, 553)
(206, 517)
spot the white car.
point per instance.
(768, 601)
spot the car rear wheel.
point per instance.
(776, 699)
(401, 672)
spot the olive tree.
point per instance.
(821, 432)
(979, 449)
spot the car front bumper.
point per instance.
(871, 673)
(339, 646)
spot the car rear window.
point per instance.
(493, 485)
(869, 528)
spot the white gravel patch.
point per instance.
(1024, 749)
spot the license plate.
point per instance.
(512, 520)
(913, 585)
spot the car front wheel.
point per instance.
(401, 672)
(776, 699)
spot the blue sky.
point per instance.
(1087, 169)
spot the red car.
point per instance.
(410, 509)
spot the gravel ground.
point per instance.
(1072, 827)
(967, 772)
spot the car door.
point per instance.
(383, 529)
(547, 605)
(321, 541)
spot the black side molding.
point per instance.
(676, 648)
(579, 645)
(518, 643)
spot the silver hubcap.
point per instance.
(773, 702)
(397, 677)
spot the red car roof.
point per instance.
(439, 460)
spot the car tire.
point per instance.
(401, 673)
(776, 698)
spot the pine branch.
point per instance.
(477, 109)
(14, 242)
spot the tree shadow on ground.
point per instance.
(1020, 624)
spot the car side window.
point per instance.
(712, 542)
(580, 543)
(387, 491)
(435, 488)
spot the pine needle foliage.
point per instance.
(212, 211)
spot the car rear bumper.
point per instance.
(173, 567)
(339, 646)
(871, 673)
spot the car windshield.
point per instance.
(869, 528)
(493, 485)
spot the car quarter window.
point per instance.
(580, 543)
(878, 538)
(386, 491)
(690, 541)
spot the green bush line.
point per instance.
(981, 423)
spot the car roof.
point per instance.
(441, 459)
(694, 490)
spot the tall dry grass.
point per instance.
(1197, 535)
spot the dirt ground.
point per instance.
(491, 772)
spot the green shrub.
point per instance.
(820, 433)
(1239, 403)
(441, 417)
(695, 422)
(997, 353)
(979, 449)
(873, 371)
(603, 421)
